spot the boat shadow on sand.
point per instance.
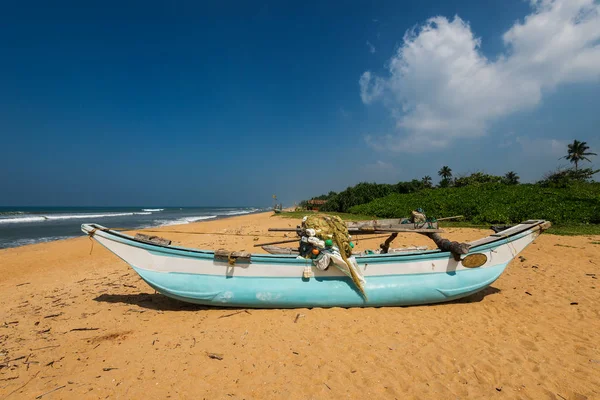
(157, 301)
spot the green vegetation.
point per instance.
(344, 216)
(575, 230)
(568, 198)
(496, 203)
(511, 178)
(578, 151)
(363, 193)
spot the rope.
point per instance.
(90, 235)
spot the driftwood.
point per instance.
(446, 245)
(385, 246)
(152, 239)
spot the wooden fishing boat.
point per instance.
(233, 279)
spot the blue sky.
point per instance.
(227, 103)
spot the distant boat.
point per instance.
(278, 281)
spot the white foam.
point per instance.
(12, 212)
(63, 217)
(185, 220)
(153, 209)
(21, 219)
(25, 242)
(240, 212)
(194, 219)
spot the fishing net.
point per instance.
(329, 234)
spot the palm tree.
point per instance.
(511, 178)
(577, 151)
(445, 172)
(426, 181)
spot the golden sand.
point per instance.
(79, 326)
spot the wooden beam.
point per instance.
(447, 245)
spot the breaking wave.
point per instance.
(185, 220)
(42, 218)
(25, 242)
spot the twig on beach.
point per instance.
(21, 284)
(53, 390)
(30, 362)
(109, 368)
(46, 347)
(134, 310)
(54, 315)
(14, 359)
(84, 329)
(298, 316)
(326, 385)
(214, 356)
(560, 396)
(51, 363)
(19, 388)
(232, 314)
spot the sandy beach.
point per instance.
(81, 325)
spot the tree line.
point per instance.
(364, 192)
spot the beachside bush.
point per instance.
(366, 192)
(495, 203)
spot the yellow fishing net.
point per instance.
(332, 227)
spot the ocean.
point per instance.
(20, 226)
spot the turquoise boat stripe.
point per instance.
(260, 292)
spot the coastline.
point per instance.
(88, 323)
(21, 226)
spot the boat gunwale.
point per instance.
(94, 229)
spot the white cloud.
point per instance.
(441, 87)
(370, 88)
(371, 47)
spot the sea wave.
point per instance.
(185, 220)
(42, 218)
(27, 241)
(240, 212)
(153, 209)
(2, 213)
